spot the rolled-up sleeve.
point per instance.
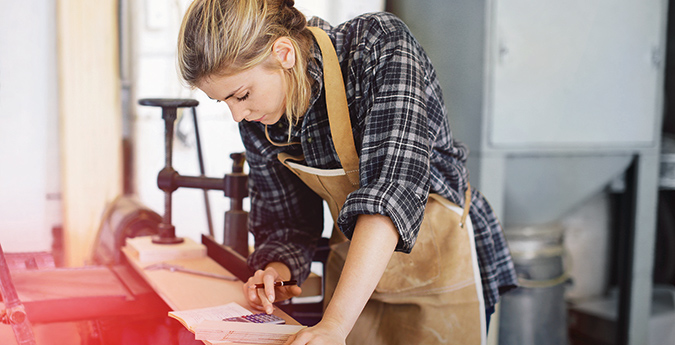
(395, 145)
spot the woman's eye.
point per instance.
(243, 98)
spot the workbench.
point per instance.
(127, 298)
(184, 291)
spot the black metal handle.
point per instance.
(234, 185)
(167, 232)
(169, 102)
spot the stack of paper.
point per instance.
(224, 332)
(207, 325)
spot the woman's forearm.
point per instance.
(371, 247)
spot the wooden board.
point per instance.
(53, 284)
(90, 119)
(145, 251)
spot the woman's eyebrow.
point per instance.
(233, 93)
(229, 96)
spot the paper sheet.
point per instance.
(192, 317)
(223, 332)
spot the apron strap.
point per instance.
(467, 204)
(447, 203)
(336, 105)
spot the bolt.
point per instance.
(17, 317)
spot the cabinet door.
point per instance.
(575, 73)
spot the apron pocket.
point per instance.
(419, 268)
(418, 271)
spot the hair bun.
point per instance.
(290, 3)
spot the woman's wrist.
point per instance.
(335, 325)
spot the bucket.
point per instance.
(536, 313)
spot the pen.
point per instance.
(280, 283)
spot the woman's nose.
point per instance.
(239, 113)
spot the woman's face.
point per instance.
(257, 94)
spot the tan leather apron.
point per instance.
(430, 296)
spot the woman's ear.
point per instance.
(284, 51)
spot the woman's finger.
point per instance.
(266, 303)
(268, 280)
(250, 291)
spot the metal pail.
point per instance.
(535, 313)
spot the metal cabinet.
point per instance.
(555, 99)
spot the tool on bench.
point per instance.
(176, 268)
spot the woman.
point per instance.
(353, 115)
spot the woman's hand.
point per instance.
(262, 299)
(324, 333)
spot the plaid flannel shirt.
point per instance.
(405, 147)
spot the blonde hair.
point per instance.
(224, 37)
